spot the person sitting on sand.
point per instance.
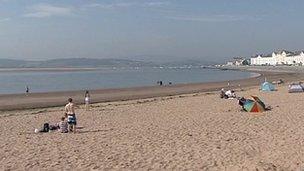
(230, 94)
(233, 95)
(280, 81)
(222, 93)
(242, 102)
(70, 113)
(63, 125)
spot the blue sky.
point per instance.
(149, 29)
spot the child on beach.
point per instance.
(63, 125)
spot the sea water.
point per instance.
(12, 82)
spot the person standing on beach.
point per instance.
(87, 100)
(27, 90)
(70, 113)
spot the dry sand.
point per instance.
(195, 131)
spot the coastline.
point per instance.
(281, 69)
(54, 99)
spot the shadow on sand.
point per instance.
(94, 131)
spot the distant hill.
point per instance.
(85, 62)
(11, 63)
(72, 62)
(92, 63)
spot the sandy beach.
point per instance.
(151, 85)
(193, 131)
(196, 131)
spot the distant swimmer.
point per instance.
(160, 83)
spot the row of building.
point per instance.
(282, 57)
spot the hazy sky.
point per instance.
(149, 30)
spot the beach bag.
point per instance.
(242, 101)
(45, 128)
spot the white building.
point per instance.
(279, 58)
(230, 63)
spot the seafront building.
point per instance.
(237, 61)
(282, 57)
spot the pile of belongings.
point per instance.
(227, 94)
(295, 88)
(252, 105)
(278, 82)
(267, 86)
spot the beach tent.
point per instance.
(295, 88)
(255, 105)
(267, 86)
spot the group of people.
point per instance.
(67, 122)
(160, 83)
(229, 94)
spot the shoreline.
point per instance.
(281, 69)
(55, 99)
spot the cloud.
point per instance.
(109, 5)
(125, 5)
(212, 18)
(4, 19)
(4, 1)
(47, 10)
(155, 4)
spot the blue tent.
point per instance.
(266, 86)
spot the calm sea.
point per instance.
(49, 81)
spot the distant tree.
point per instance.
(246, 62)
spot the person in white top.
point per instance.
(230, 94)
(87, 100)
(70, 113)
